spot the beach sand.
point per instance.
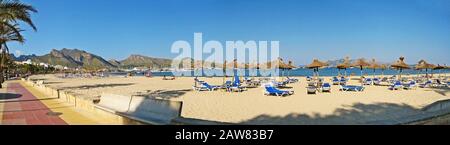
(253, 107)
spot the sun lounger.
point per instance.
(253, 84)
(279, 84)
(367, 81)
(291, 80)
(396, 86)
(411, 85)
(206, 87)
(336, 81)
(427, 84)
(352, 88)
(311, 84)
(308, 78)
(440, 83)
(247, 79)
(235, 87)
(311, 89)
(197, 80)
(343, 81)
(376, 81)
(326, 87)
(271, 90)
(171, 78)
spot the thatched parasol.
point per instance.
(374, 65)
(422, 64)
(439, 67)
(316, 64)
(383, 67)
(279, 64)
(361, 63)
(290, 66)
(252, 66)
(346, 64)
(400, 65)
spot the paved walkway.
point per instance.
(23, 105)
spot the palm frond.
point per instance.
(14, 10)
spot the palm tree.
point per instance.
(11, 13)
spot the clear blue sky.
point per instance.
(306, 29)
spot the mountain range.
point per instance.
(75, 58)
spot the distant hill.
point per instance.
(114, 62)
(144, 61)
(73, 58)
(334, 63)
(22, 57)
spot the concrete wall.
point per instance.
(82, 103)
(88, 105)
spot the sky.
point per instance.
(306, 29)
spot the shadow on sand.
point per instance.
(164, 94)
(442, 90)
(48, 83)
(8, 96)
(97, 86)
(357, 113)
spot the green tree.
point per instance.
(11, 13)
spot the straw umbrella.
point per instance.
(374, 65)
(316, 64)
(361, 63)
(291, 66)
(252, 66)
(344, 65)
(400, 65)
(422, 64)
(281, 65)
(383, 67)
(439, 67)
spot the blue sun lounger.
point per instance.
(206, 87)
(411, 85)
(291, 80)
(326, 87)
(376, 81)
(396, 86)
(368, 81)
(308, 78)
(271, 90)
(235, 86)
(336, 81)
(343, 81)
(427, 84)
(352, 88)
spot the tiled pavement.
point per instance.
(23, 105)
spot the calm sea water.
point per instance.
(303, 72)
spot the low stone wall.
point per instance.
(82, 103)
(88, 105)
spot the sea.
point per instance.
(296, 72)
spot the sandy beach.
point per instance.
(253, 107)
